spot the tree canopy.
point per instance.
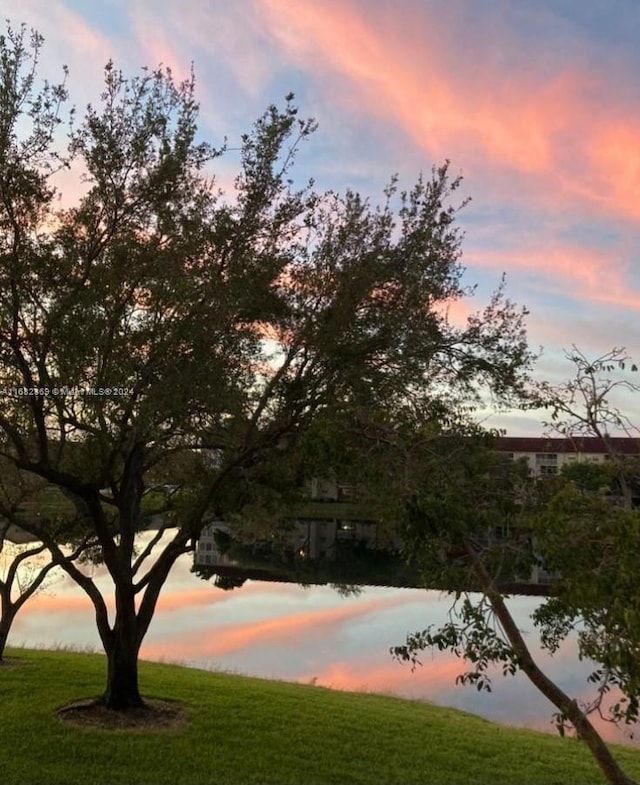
(158, 330)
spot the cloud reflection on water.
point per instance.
(311, 635)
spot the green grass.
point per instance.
(243, 730)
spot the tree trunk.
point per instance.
(568, 707)
(122, 691)
(5, 627)
(7, 615)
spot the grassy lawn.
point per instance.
(243, 730)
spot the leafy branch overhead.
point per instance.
(471, 636)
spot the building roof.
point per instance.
(576, 444)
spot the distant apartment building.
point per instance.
(547, 456)
(309, 538)
(330, 517)
(207, 551)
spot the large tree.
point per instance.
(158, 330)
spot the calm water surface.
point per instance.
(310, 635)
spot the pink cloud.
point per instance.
(457, 311)
(398, 65)
(562, 127)
(274, 632)
(575, 271)
(235, 35)
(155, 42)
(169, 601)
(69, 40)
(614, 149)
(67, 604)
(230, 52)
(434, 676)
(209, 595)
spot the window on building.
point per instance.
(546, 463)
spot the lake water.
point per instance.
(310, 635)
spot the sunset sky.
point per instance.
(537, 105)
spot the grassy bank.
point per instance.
(243, 730)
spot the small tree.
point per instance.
(591, 531)
(206, 334)
(22, 575)
(453, 502)
(590, 404)
(26, 570)
(25, 564)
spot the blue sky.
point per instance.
(536, 104)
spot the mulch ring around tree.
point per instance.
(156, 715)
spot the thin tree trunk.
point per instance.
(5, 627)
(7, 615)
(566, 705)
